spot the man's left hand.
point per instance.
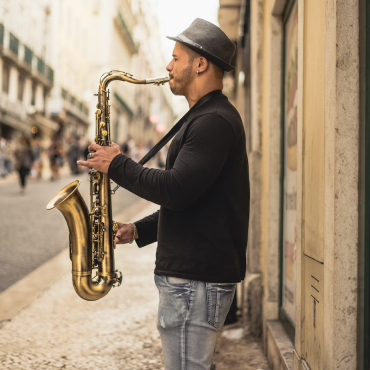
(101, 157)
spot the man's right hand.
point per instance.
(125, 233)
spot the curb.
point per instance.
(13, 179)
(23, 292)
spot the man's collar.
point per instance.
(208, 96)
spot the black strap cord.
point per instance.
(174, 130)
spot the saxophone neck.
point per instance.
(110, 76)
(157, 80)
(103, 112)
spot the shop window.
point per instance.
(6, 78)
(289, 196)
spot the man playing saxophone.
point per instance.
(202, 225)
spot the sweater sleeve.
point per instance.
(208, 143)
(147, 229)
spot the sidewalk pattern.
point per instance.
(59, 330)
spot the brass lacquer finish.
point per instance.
(92, 234)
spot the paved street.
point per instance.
(58, 330)
(30, 235)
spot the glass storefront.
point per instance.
(289, 224)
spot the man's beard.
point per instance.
(181, 80)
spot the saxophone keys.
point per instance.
(95, 175)
(114, 229)
(117, 279)
(104, 133)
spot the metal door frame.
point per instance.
(283, 317)
(363, 359)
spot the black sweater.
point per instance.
(202, 225)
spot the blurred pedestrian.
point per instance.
(37, 162)
(24, 161)
(132, 149)
(86, 150)
(3, 153)
(125, 148)
(9, 160)
(140, 151)
(55, 157)
(73, 155)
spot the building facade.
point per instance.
(68, 105)
(26, 75)
(92, 38)
(153, 104)
(301, 85)
(130, 43)
(52, 54)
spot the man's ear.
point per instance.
(203, 64)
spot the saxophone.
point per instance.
(92, 234)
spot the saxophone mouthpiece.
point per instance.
(157, 80)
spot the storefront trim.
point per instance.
(364, 195)
(283, 317)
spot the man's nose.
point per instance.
(169, 67)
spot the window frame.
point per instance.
(283, 317)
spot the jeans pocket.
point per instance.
(177, 281)
(219, 299)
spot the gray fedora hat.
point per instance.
(209, 41)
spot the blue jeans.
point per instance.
(190, 314)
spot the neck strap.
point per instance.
(175, 129)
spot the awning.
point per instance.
(15, 122)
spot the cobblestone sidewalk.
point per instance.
(244, 353)
(58, 330)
